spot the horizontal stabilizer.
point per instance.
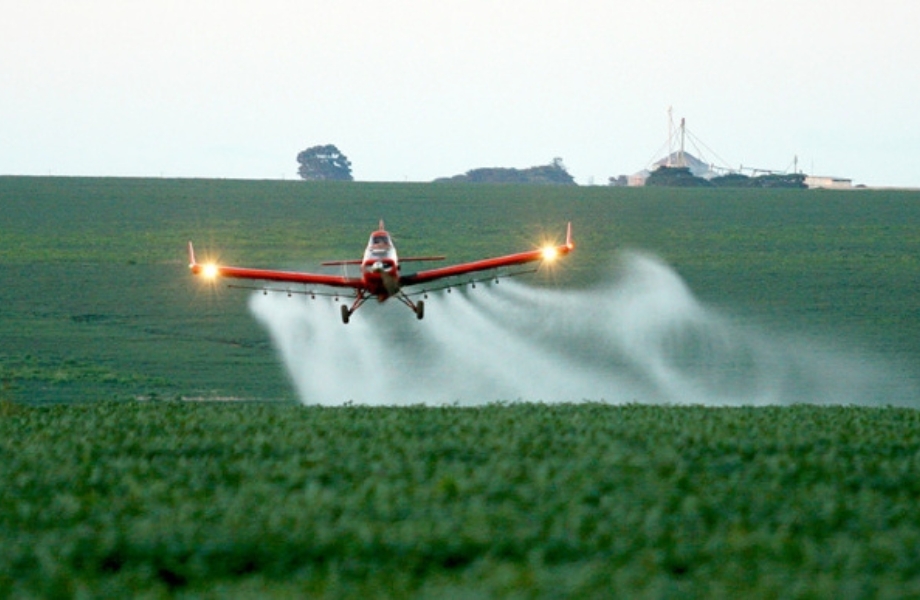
(339, 263)
(421, 258)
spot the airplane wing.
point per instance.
(547, 253)
(212, 271)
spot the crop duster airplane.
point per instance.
(380, 276)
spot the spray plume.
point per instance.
(641, 337)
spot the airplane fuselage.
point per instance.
(380, 266)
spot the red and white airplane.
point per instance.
(380, 276)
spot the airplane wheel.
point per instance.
(346, 314)
(420, 309)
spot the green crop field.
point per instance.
(103, 494)
(98, 303)
(219, 500)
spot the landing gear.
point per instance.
(360, 297)
(417, 307)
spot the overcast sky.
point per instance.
(415, 89)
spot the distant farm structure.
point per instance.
(828, 183)
(681, 168)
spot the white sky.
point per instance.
(417, 89)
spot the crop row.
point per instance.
(578, 499)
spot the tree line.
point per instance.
(328, 163)
(682, 177)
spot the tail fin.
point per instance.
(568, 236)
(192, 263)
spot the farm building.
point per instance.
(828, 183)
(676, 159)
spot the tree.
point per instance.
(775, 180)
(551, 174)
(733, 180)
(324, 163)
(675, 177)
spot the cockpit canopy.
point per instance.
(380, 246)
(380, 239)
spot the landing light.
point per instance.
(550, 253)
(210, 271)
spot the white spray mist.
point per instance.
(641, 337)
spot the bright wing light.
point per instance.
(210, 271)
(550, 253)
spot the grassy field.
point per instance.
(172, 499)
(98, 303)
(102, 495)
